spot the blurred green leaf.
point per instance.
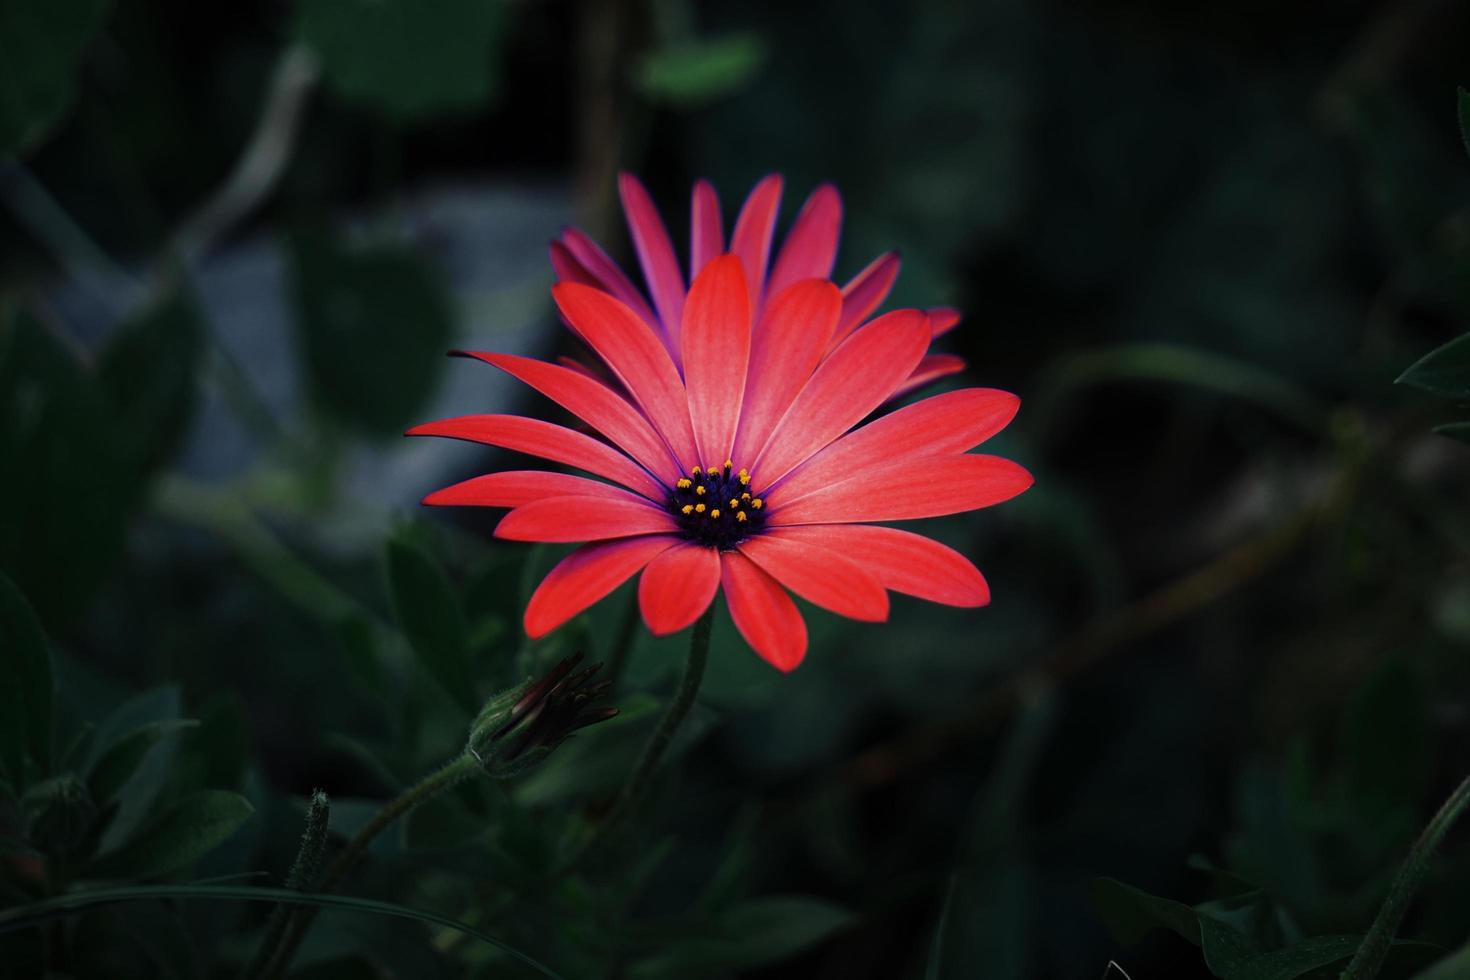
(1455, 430)
(41, 46)
(1386, 744)
(185, 831)
(1444, 371)
(120, 761)
(1455, 966)
(149, 370)
(67, 484)
(374, 324)
(27, 691)
(694, 72)
(407, 58)
(1130, 913)
(430, 615)
(748, 935)
(1463, 100)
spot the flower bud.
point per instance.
(518, 728)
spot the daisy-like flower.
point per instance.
(729, 458)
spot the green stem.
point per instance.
(617, 660)
(431, 786)
(1374, 950)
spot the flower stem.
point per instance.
(1375, 946)
(617, 662)
(431, 786)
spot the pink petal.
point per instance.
(678, 586)
(788, 344)
(554, 442)
(596, 404)
(568, 269)
(853, 380)
(930, 486)
(706, 229)
(954, 422)
(585, 370)
(608, 275)
(515, 487)
(865, 293)
(943, 319)
(587, 518)
(587, 575)
(811, 244)
(751, 240)
(903, 561)
(716, 351)
(930, 369)
(655, 254)
(763, 612)
(819, 575)
(636, 357)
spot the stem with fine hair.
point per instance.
(451, 775)
(1376, 944)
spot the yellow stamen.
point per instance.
(744, 478)
(714, 513)
(728, 464)
(685, 483)
(740, 516)
(687, 508)
(756, 503)
(699, 508)
(734, 503)
(699, 490)
(745, 496)
(712, 471)
(694, 471)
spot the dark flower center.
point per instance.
(715, 506)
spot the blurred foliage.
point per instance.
(1223, 682)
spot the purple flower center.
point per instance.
(715, 506)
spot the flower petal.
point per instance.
(716, 352)
(811, 244)
(787, 346)
(903, 561)
(763, 612)
(655, 254)
(953, 422)
(865, 293)
(608, 275)
(943, 319)
(930, 486)
(586, 518)
(930, 369)
(554, 442)
(636, 357)
(515, 487)
(819, 575)
(596, 404)
(568, 269)
(854, 379)
(587, 575)
(706, 229)
(751, 239)
(678, 586)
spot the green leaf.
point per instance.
(1386, 744)
(27, 692)
(183, 833)
(748, 935)
(406, 58)
(30, 916)
(41, 47)
(429, 613)
(1130, 913)
(1444, 371)
(149, 370)
(122, 759)
(696, 72)
(1464, 104)
(1455, 966)
(374, 324)
(1455, 430)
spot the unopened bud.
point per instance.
(518, 728)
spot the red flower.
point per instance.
(728, 459)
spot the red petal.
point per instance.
(751, 240)
(903, 561)
(931, 486)
(854, 379)
(596, 404)
(787, 346)
(608, 275)
(568, 269)
(819, 575)
(763, 612)
(716, 351)
(585, 576)
(655, 254)
(515, 487)
(537, 438)
(865, 293)
(811, 244)
(942, 319)
(589, 518)
(954, 422)
(930, 369)
(706, 230)
(634, 354)
(678, 586)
